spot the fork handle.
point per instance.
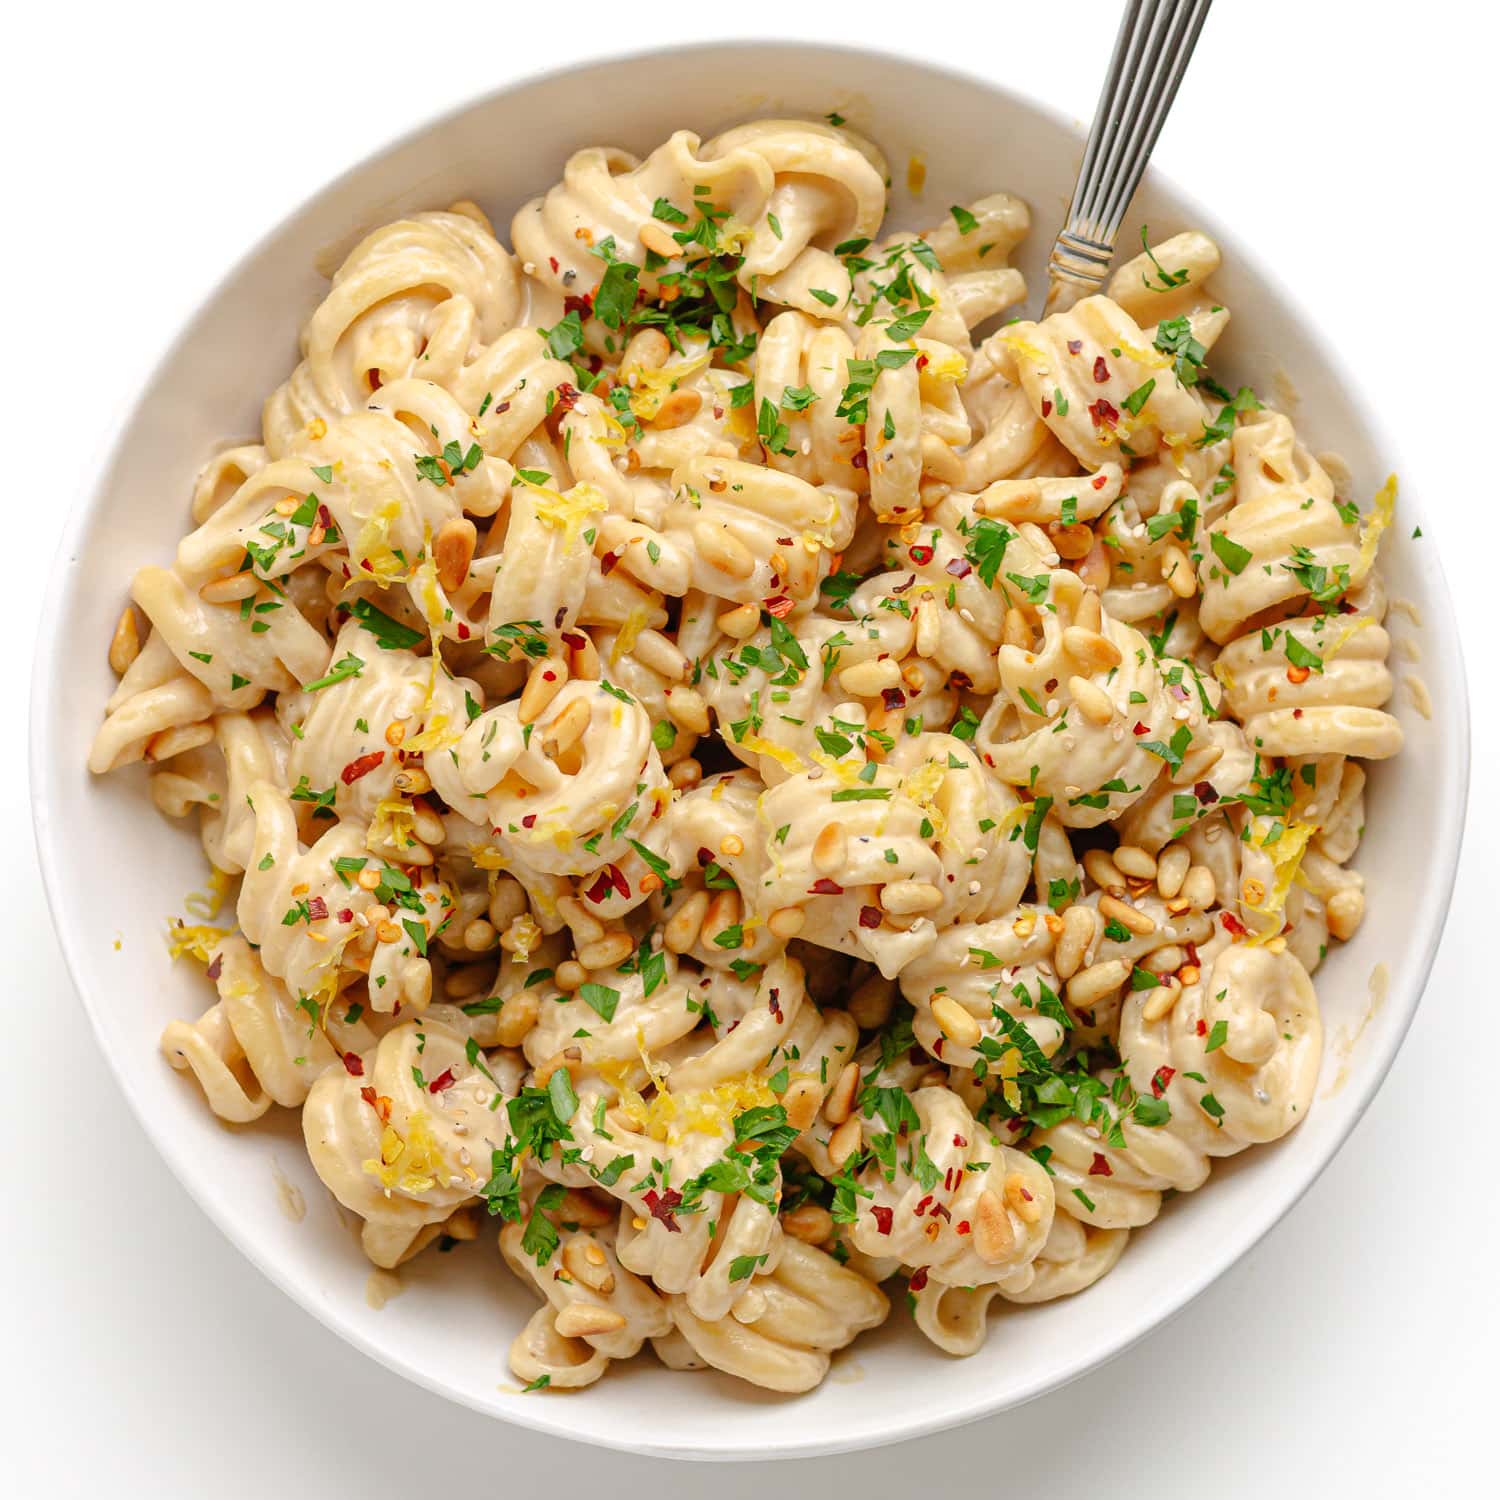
(1155, 41)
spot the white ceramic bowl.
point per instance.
(113, 867)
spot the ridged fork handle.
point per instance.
(1151, 54)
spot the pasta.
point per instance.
(751, 773)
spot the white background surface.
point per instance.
(1351, 1354)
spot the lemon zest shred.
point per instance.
(1382, 513)
(374, 557)
(566, 511)
(1285, 855)
(207, 904)
(194, 941)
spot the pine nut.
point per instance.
(479, 935)
(871, 1004)
(559, 1061)
(229, 590)
(1190, 974)
(723, 550)
(809, 1223)
(786, 922)
(1165, 960)
(676, 410)
(845, 1141)
(567, 728)
(581, 1209)
(1093, 702)
(569, 975)
(1073, 543)
(647, 350)
(125, 645)
(684, 925)
(516, 1017)
(801, 1102)
(1132, 860)
(1090, 613)
(723, 913)
(1095, 568)
(1137, 921)
(613, 948)
(685, 774)
(1178, 571)
(731, 844)
(656, 239)
(1017, 631)
(584, 925)
(387, 932)
(1087, 989)
(994, 1239)
(1345, 911)
(869, 679)
(1198, 888)
(1090, 649)
(453, 551)
(687, 710)
(1020, 1198)
(543, 684)
(583, 661)
(427, 825)
(1102, 870)
(929, 631)
(840, 1101)
(1162, 1000)
(740, 623)
(412, 780)
(1171, 869)
(904, 897)
(1079, 926)
(580, 1319)
(830, 849)
(583, 1268)
(955, 1022)
(653, 649)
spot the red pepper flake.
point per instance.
(444, 1080)
(918, 1279)
(1046, 409)
(780, 605)
(583, 306)
(940, 1210)
(529, 821)
(463, 631)
(901, 588)
(354, 1064)
(618, 881)
(661, 1206)
(317, 909)
(1296, 713)
(825, 887)
(860, 460)
(1202, 1027)
(1101, 371)
(1103, 414)
(567, 397)
(1141, 728)
(958, 567)
(552, 261)
(883, 1218)
(1161, 1079)
(1099, 481)
(893, 700)
(962, 1227)
(959, 1140)
(921, 361)
(1205, 793)
(869, 916)
(608, 563)
(1075, 346)
(368, 1095)
(773, 1004)
(573, 640)
(346, 914)
(216, 967)
(1233, 925)
(601, 887)
(1192, 952)
(1100, 1167)
(325, 519)
(921, 554)
(361, 767)
(922, 1203)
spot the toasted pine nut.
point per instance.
(647, 350)
(723, 913)
(839, 1104)
(1137, 921)
(1178, 571)
(583, 1268)
(786, 922)
(903, 897)
(1162, 1000)
(684, 925)
(809, 1223)
(229, 590)
(580, 1319)
(1079, 925)
(1090, 649)
(558, 1060)
(653, 649)
(677, 409)
(1094, 569)
(845, 1141)
(613, 948)
(387, 932)
(567, 728)
(1345, 911)
(543, 684)
(830, 848)
(1137, 863)
(125, 645)
(741, 622)
(517, 1016)
(1171, 869)
(1093, 702)
(954, 1021)
(723, 550)
(871, 1004)
(868, 679)
(479, 935)
(657, 240)
(1198, 888)
(569, 975)
(1072, 542)
(994, 1238)
(1165, 960)
(929, 632)
(1090, 613)
(685, 774)
(412, 780)
(801, 1102)
(1020, 1198)
(1086, 989)
(453, 551)
(731, 844)
(1017, 631)
(687, 710)
(1102, 870)
(583, 661)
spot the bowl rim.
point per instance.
(48, 801)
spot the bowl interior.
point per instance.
(114, 869)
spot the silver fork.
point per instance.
(1151, 54)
